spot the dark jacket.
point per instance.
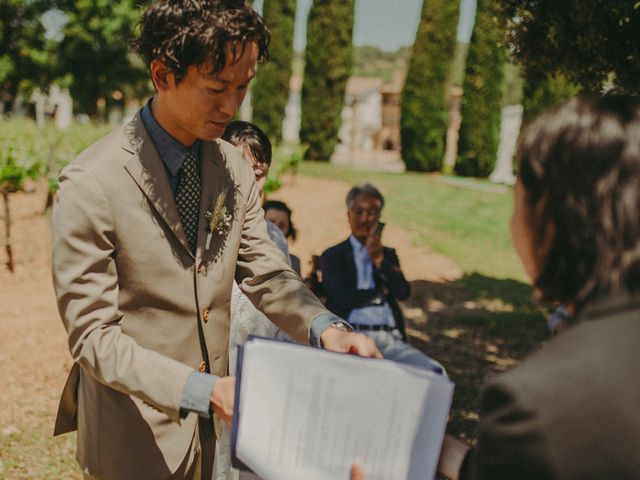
(570, 411)
(340, 283)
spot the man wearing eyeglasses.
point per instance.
(363, 282)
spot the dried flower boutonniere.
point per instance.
(218, 220)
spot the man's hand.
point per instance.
(452, 457)
(374, 247)
(349, 342)
(223, 397)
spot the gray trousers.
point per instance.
(395, 349)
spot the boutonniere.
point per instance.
(218, 220)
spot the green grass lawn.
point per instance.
(464, 219)
(37, 454)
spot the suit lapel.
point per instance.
(147, 170)
(216, 180)
(350, 263)
(210, 160)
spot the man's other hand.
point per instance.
(357, 473)
(452, 457)
(375, 249)
(349, 342)
(223, 397)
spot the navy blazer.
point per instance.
(340, 283)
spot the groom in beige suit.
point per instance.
(152, 225)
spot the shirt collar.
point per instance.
(355, 243)
(171, 151)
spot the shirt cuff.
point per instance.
(320, 324)
(196, 396)
(561, 314)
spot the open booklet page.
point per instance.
(304, 413)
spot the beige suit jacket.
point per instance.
(131, 295)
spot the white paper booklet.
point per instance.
(308, 414)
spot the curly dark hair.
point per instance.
(580, 166)
(182, 33)
(282, 207)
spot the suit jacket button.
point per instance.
(205, 315)
(202, 367)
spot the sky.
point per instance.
(386, 24)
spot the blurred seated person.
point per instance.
(256, 148)
(362, 281)
(245, 318)
(570, 411)
(279, 214)
(314, 280)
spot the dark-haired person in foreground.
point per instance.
(570, 411)
(152, 225)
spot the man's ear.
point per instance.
(163, 78)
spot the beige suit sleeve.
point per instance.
(86, 286)
(268, 281)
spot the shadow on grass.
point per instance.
(476, 326)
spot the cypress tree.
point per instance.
(481, 101)
(544, 92)
(424, 105)
(270, 91)
(328, 61)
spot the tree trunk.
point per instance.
(7, 230)
(51, 177)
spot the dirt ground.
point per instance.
(34, 359)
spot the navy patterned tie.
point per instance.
(188, 197)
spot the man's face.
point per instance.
(279, 218)
(202, 104)
(260, 170)
(363, 216)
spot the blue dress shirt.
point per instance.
(374, 314)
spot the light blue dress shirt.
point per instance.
(374, 314)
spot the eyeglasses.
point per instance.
(371, 212)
